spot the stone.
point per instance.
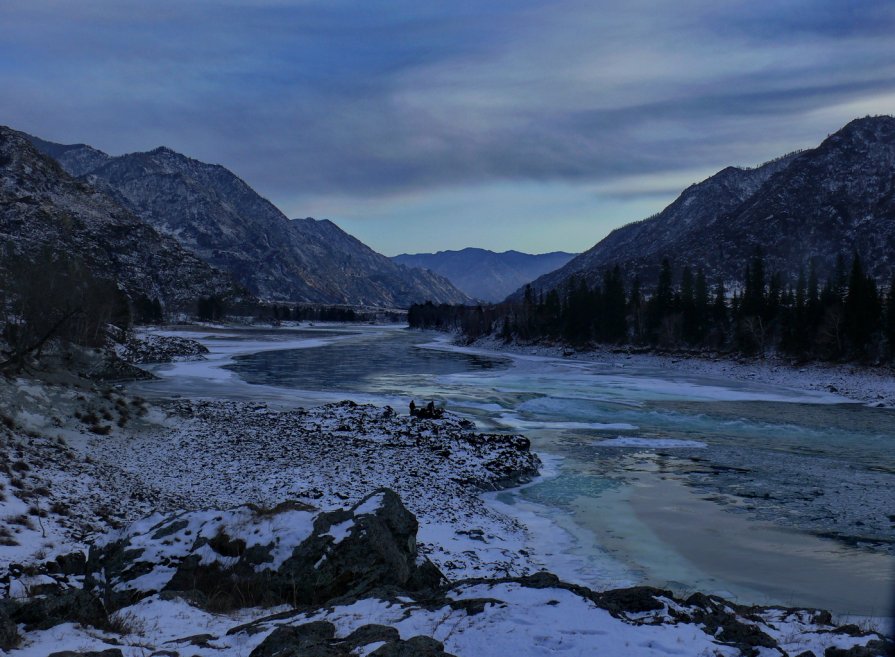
(315, 638)
(418, 646)
(376, 547)
(9, 633)
(111, 652)
(70, 606)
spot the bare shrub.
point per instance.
(60, 508)
(126, 623)
(21, 521)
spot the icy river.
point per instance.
(763, 494)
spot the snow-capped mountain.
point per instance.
(812, 205)
(215, 215)
(42, 206)
(484, 274)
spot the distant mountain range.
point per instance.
(44, 208)
(216, 216)
(483, 274)
(812, 205)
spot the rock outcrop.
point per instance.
(250, 556)
(353, 583)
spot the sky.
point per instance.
(423, 126)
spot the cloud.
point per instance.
(360, 101)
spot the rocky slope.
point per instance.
(215, 215)
(815, 204)
(484, 274)
(43, 207)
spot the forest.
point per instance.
(847, 317)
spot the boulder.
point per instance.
(318, 639)
(69, 606)
(417, 646)
(111, 652)
(249, 556)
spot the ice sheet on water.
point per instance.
(515, 422)
(655, 443)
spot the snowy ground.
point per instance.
(507, 619)
(212, 454)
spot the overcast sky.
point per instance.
(420, 126)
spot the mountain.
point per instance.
(42, 206)
(483, 274)
(76, 159)
(218, 217)
(811, 205)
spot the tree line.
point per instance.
(847, 317)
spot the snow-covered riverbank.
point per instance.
(147, 594)
(874, 386)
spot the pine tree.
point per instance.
(701, 294)
(719, 307)
(890, 318)
(861, 311)
(662, 302)
(688, 306)
(614, 327)
(753, 299)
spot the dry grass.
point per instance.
(6, 537)
(21, 521)
(126, 623)
(60, 508)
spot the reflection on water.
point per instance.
(347, 366)
(720, 517)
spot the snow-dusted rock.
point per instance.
(371, 601)
(149, 348)
(246, 556)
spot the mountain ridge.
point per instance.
(217, 216)
(807, 206)
(42, 206)
(484, 274)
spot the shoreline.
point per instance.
(867, 385)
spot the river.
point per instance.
(760, 493)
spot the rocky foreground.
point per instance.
(362, 531)
(290, 581)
